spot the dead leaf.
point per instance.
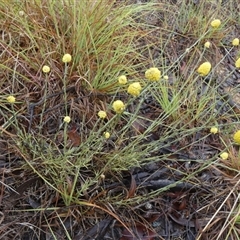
(139, 232)
(74, 137)
(132, 188)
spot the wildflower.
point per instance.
(214, 130)
(122, 80)
(224, 156)
(118, 106)
(204, 68)
(237, 63)
(153, 74)
(67, 58)
(134, 89)
(236, 137)
(216, 23)
(207, 44)
(165, 77)
(235, 42)
(21, 13)
(67, 119)
(46, 69)
(102, 114)
(11, 99)
(107, 135)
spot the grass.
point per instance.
(69, 172)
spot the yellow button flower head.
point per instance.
(107, 135)
(207, 44)
(67, 119)
(153, 74)
(21, 13)
(224, 156)
(237, 63)
(46, 69)
(102, 114)
(122, 80)
(216, 23)
(67, 58)
(236, 137)
(214, 130)
(118, 106)
(11, 99)
(235, 42)
(134, 89)
(165, 77)
(204, 69)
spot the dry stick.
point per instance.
(8, 133)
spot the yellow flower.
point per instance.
(67, 119)
(21, 13)
(11, 99)
(216, 23)
(224, 156)
(237, 63)
(207, 44)
(118, 106)
(134, 89)
(153, 74)
(204, 68)
(235, 42)
(122, 80)
(236, 137)
(46, 69)
(165, 77)
(102, 114)
(67, 58)
(107, 135)
(214, 130)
